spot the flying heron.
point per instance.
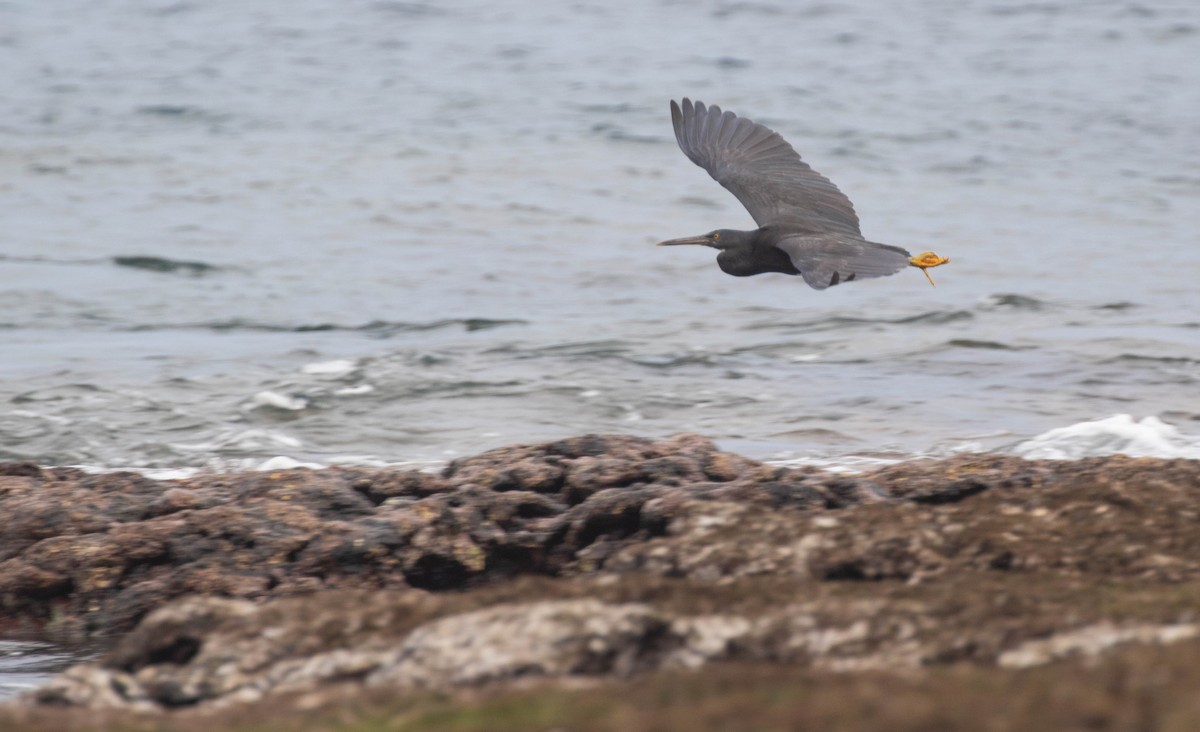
(806, 226)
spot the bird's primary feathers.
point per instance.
(800, 213)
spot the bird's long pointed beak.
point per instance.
(703, 240)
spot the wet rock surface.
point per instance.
(597, 557)
(95, 553)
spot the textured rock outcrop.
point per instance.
(97, 552)
(596, 557)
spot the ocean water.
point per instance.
(398, 232)
(26, 665)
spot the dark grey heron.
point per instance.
(806, 226)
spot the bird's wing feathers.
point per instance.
(759, 167)
(830, 259)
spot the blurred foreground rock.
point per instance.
(594, 557)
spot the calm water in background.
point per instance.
(421, 230)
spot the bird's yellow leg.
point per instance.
(925, 260)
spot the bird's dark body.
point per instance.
(756, 259)
(757, 255)
(807, 226)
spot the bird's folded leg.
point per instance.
(925, 260)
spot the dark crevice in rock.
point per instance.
(180, 651)
(20, 469)
(952, 493)
(436, 572)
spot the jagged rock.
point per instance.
(596, 557)
(104, 550)
(207, 649)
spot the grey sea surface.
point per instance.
(26, 665)
(397, 232)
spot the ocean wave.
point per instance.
(336, 368)
(375, 328)
(274, 400)
(165, 265)
(843, 322)
(1120, 434)
(986, 345)
(1012, 301)
(1136, 357)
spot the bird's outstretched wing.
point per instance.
(830, 259)
(759, 167)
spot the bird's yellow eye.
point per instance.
(716, 235)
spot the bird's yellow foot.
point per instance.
(925, 260)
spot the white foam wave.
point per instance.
(854, 463)
(283, 462)
(250, 465)
(248, 440)
(29, 414)
(842, 464)
(278, 401)
(151, 473)
(1119, 434)
(339, 367)
(355, 390)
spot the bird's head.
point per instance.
(719, 239)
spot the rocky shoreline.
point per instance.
(639, 569)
